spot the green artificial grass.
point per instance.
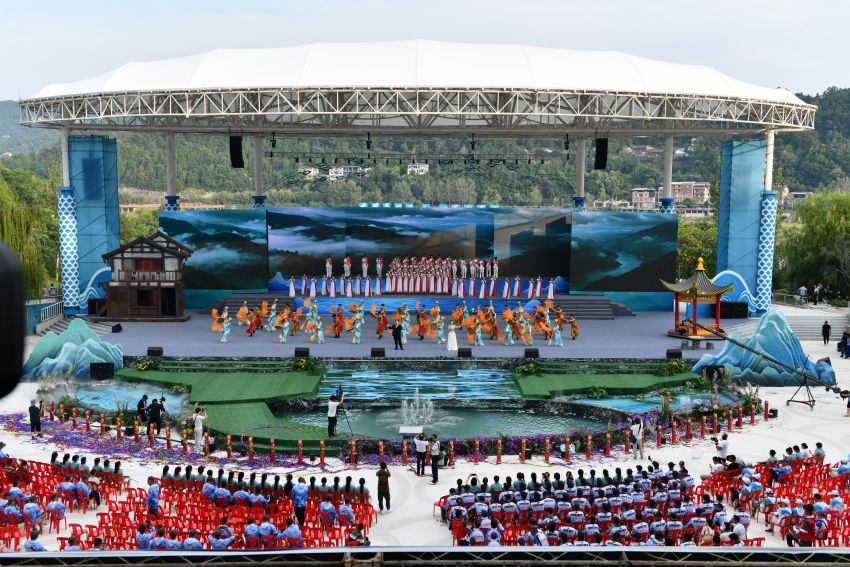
(233, 387)
(545, 386)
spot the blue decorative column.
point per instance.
(259, 202)
(667, 205)
(68, 260)
(580, 203)
(767, 240)
(172, 202)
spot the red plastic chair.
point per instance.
(54, 518)
(253, 542)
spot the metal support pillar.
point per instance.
(767, 232)
(259, 188)
(667, 202)
(580, 200)
(172, 199)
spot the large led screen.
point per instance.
(622, 251)
(528, 242)
(229, 247)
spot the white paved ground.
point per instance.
(411, 521)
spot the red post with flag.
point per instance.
(404, 452)
(88, 420)
(229, 446)
(300, 452)
(168, 437)
(476, 457)
(658, 436)
(322, 453)
(589, 447)
(271, 450)
(546, 451)
(567, 450)
(499, 451)
(522, 451)
(752, 414)
(451, 462)
(250, 448)
(765, 410)
(73, 418)
(607, 444)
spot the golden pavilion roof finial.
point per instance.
(700, 267)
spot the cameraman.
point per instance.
(333, 404)
(722, 446)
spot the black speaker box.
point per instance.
(532, 353)
(464, 352)
(378, 352)
(154, 351)
(734, 310)
(674, 353)
(117, 328)
(302, 352)
(772, 413)
(601, 159)
(102, 370)
(236, 159)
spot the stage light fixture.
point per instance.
(566, 142)
(368, 141)
(274, 141)
(472, 143)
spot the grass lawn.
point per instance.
(545, 386)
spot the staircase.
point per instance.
(586, 307)
(62, 323)
(807, 328)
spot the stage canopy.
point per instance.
(417, 87)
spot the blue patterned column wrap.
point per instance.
(667, 205)
(172, 202)
(767, 240)
(259, 202)
(580, 203)
(68, 259)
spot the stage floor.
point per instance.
(641, 336)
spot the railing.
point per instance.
(51, 311)
(788, 299)
(147, 276)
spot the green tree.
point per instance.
(815, 250)
(141, 222)
(696, 240)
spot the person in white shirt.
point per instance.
(333, 406)
(198, 424)
(435, 458)
(421, 446)
(636, 436)
(722, 446)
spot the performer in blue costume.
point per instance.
(272, 317)
(478, 340)
(440, 324)
(509, 332)
(356, 328)
(318, 332)
(556, 334)
(405, 323)
(284, 330)
(226, 326)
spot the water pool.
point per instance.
(109, 394)
(648, 403)
(480, 384)
(380, 422)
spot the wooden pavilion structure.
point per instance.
(695, 290)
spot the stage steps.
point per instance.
(224, 365)
(807, 328)
(61, 324)
(584, 307)
(597, 366)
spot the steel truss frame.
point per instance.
(426, 112)
(453, 557)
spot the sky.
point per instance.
(796, 44)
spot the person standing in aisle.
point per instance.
(383, 488)
(435, 458)
(825, 330)
(421, 445)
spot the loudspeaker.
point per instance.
(302, 352)
(154, 351)
(378, 352)
(532, 353)
(117, 328)
(772, 413)
(734, 310)
(13, 322)
(674, 353)
(601, 159)
(236, 159)
(464, 352)
(102, 370)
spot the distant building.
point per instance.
(644, 198)
(6, 154)
(417, 168)
(309, 173)
(793, 198)
(610, 204)
(340, 171)
(130, 207)
(696, 190)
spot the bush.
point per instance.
(146, 364)
(672, 367)
(305, 364)
(597, 393)
(180, 388)
(530, 368)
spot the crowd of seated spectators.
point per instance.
(186, 508)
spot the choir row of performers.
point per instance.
(511, 326)
(404, 283)
(427, 265)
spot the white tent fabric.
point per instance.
(420, 64)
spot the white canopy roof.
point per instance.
(420, 64)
